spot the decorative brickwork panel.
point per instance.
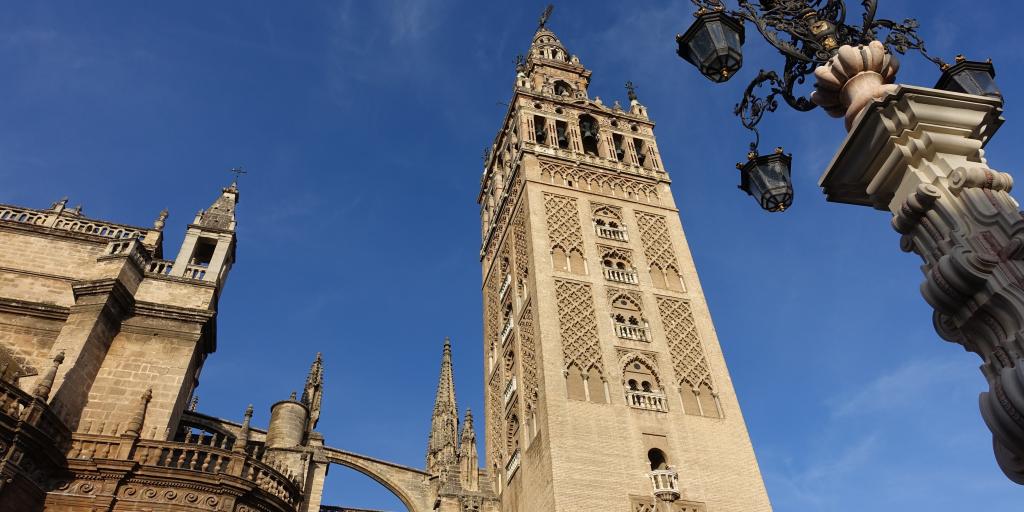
(528, 349)
(492, 314)
(578, 325)
(495, 420)
(656, 241)
(688, 360)
(599, 182)
(563, 223)
(641, 505)
(522, 248)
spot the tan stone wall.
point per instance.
(135, 362)
(49, 253)
(29, 339)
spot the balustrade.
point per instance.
(161, 266)
(618, 234)
(646, 400)
(666, 484)
(512, 466)
(510, 390)
(505, 285)
(631, 332)
(195, 271)
(76, 224)
(620, 275)
(205, 454)
(506, 331)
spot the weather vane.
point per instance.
(631, 90)
(238, 172)
(544, 16)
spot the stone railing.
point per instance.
(505, 285)
(631, 332)
(162, 267)
(666, 484)
(55, 220)
(206, 455)
(620, 275)
(19, 408)
(512, 466)
(510, 390)
(195, 271)
(618, 234)
(649, 401)
(506, 330)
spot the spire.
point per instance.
(243, 433)
(549, 68)
(161, 220)
(221, 214)
(134, 428)
(444, 425)
(45, 384)
(313, 391)
(469, 461)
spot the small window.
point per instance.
(588, 132)
(562, 132)
(203, 253)
(620, 152)
(657, 459)
(641, 151)
(540, 129)
(562, 88)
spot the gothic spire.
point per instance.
(444, 425)
(469, 461)
(221, 214)
(313, 391)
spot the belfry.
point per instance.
(606, 386)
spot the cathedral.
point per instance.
(606, 388)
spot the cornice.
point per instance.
(34, 309)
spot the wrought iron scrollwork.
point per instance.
(808, 33)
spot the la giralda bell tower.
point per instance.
(606, 389)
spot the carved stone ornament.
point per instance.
(918, 154)
(854, 77)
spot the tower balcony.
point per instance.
(506, 331)
(620, 275)
(666, 484)
(505, 285)
(617, 234)
(646, 400)
(512, 466)
(631, 332)
(510, 390)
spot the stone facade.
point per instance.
(606, 386)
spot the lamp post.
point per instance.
(915, 152)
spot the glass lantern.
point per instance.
(767, 178)
(971, 77)
(714, 43)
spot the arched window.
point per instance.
(589, 134)
(562, 88)
(627, 319)
(690, 403)
(708, 402)
(618, 266)
(595, 386)
(575, 387)
(642, 387)
(559, 259)
(657, 459)
(577, 264)
(608, 224)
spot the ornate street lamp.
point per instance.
(808, 33)
(971, 77)
(766, 178)
(916, 152)
(714, 43)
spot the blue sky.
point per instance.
(361, 125)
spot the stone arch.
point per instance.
(633, 357)
(406, 483)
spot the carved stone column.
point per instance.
(918, 154)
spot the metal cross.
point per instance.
(544, 16)
(238, 172)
